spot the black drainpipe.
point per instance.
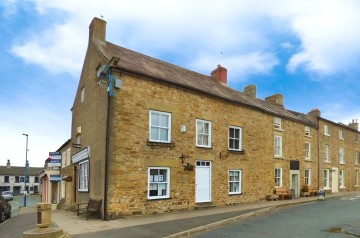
(318, 149)
(107, 152)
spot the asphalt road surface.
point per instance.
(335, 217)
(31, 200)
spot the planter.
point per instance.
(305, 194)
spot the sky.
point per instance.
(307, 50)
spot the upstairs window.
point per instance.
(82, 95)
(327, 153)
(357, 138)
(307, 150)
(278, 146)
(235, 134)
(278, 177)
(307, 131)
(341, 134)
(341, 156)
(203, 133)
(36, 179)
(160, 126)
(277, 123)
(17, 179)
(326, 130)
(6, 179)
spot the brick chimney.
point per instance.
(354, 125)
(250, 90)
(277, 99)
(220, 73)
(97, 29)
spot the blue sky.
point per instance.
(308, 51)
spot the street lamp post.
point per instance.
(26, 168)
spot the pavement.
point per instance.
(171, 225)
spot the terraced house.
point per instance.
(151, 137)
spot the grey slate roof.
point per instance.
(20, 171)
(139, 64)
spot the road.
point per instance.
(316, 219)
(31, 200)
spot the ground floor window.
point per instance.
(83, 185)
(158, 182)
(307, 176)
(342, 178)
(278, 177)
(326, 178)
(234, 181)
(357, 178)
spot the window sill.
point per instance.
(342, 187)
(309, 160)
(279, 129)
(160, 144)
(232, 194)
(327, 162)
(236, 151)
(342, 163)
(158, 198)
(279, 157)
(326, 135)
(308, 136)
(203, 147)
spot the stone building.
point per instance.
(12, 178)
(165, 138)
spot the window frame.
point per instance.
(357, 180)
(160, 127)
(167, 183)
(308, 131)
(280, 154)
(326, 179)
(82, 95)
(239, 182)
(307, 150)
(341, 155)
(342, 178)
(327, 153)
(203, 134)
(326, 130)
(83, 176)
(357, 157)
(278, 177)
(278, 123)
(341, 134)
(238, 140)
(307, 176)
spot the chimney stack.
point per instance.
(250, 90)
(277, 99)
(313, 115)
(354, 125)
(220, 73)
(8, 165)
(97, 29)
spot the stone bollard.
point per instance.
(43, 215)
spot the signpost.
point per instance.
(54, 159)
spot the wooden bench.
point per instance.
(283, 194)
(93, 206)
(313, 191)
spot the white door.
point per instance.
(335, 180)
(203, 181)
(295, 184)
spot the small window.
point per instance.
(357, 138)
(327, 153)
(6, 179)
(278, 146)
(36, 179)
(307, 178)
(17, 179)
(307, 150)
(83, 184)
(78, 139)
(234, 181)
(160, 126)
(341, 134)
(203, 133)
(342, 178)
(158, 183)
(235, 135)
(82, 97)
(277, 123)
(326, 130)
(278, 177)
(341, 156)
(326, 178)
(308, 131)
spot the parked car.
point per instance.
(8, 195)
(5, 209)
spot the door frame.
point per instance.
(297, 189)
(203, 164)
(334, 180)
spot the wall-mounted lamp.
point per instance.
(106, 79)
